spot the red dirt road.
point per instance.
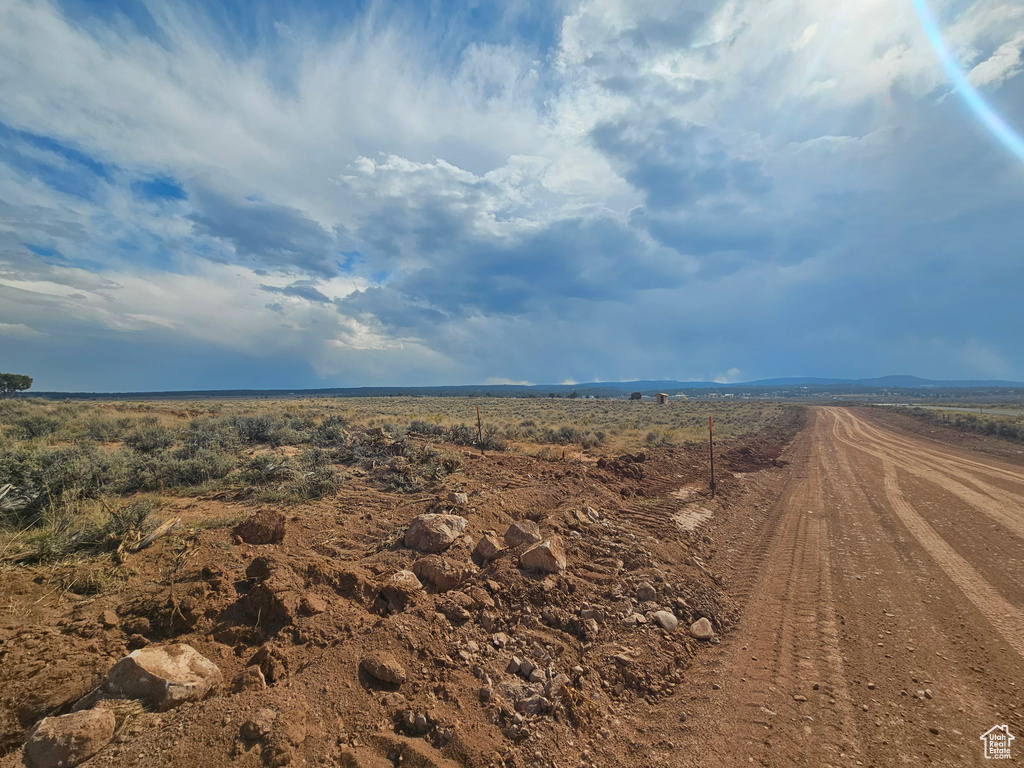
(883, 622)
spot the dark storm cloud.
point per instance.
(268, 235)
(675, 164)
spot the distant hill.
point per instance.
(781, 386)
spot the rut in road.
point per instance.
(856, 586)
(1005, 617)
(955, 474)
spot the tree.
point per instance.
(574, 394)
(636, 396)
(14, 382)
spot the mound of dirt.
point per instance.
(349, 647)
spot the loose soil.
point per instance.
(864, 580)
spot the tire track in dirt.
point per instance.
(1007, 619)
(786, 663)
(944, 474)
(852, 604)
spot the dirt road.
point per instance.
(883, 622)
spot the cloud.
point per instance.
(508, 192)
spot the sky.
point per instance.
(400, 192)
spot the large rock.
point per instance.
(667, 620)
(384, 667)
(401, 589)
(546, 557)
(163, 676)
(646, 593)
(66, 741)
(442, 572)
(702, 629)
(266, 527)
(489, 547)
(522, 532)
(434, 533)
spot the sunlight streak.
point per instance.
(988, 116)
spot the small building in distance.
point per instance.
(662, 398)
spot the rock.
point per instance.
(547, 557)
(272, 662)
(66, 741)
(592, 614)
(441, 572)
(799, 697)
(384, 667)
(262, 724)
(481, 598)
(266, 527)
(646, 593)
(523, 532)
(458, 499)
(453, 611)
(489, 547)
(590, 629)
(702, 629)
(249, 679)
(513, 665)
(109, 619)
(164, 676)
(401, 590)
(537, 676)
(433, 533)
(668, 621)
(534, 705)
(556, 687)
(592, 513)
(312, 605)
(526, 667)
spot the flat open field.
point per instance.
(861, 572)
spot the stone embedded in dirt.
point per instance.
(590, 629)
(453, 611)
(458, 499)
(384, 667)
(271, 661)
(66, 741)
(522, 532)
(401, 589)
(249, 679)
(433, 533)
(164, 676)
(646, 593)
(262, 724)
(442, 572)
(592, 513)
(514, 665)
(702, 629)
(556, 686)
(109, 619)
(311, 605)
(489, 547)
(592, 614)
(668, 621)
(534, 705)
(266, 527)
(481, 597)
(547, 557)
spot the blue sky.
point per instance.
(306, 194)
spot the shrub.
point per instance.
(150, 438)
(32, 427)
